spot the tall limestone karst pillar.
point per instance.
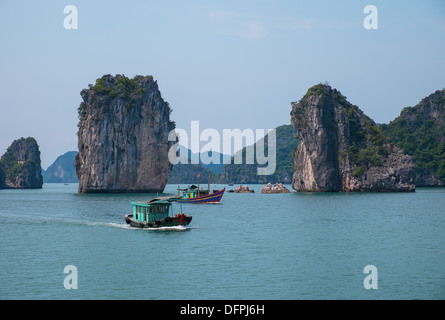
(341, 149)
(123, 136)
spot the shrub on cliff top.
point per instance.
(122, 85)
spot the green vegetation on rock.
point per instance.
(368, 145)
(20, 165)
(123, 85)
(420, 132)
(341, 149)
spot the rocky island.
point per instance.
(20, 166)
(242, 189)
(420, 132)
(277, 188)
(123, 136)
(341, 149)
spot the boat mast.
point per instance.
(208, 185)
(198, 184)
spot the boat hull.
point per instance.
(210, 198)
(176, 221)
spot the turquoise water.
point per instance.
(250, 246)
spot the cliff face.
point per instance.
(341, 149)
(20, 165)
(123, 136)
(420, 132)
(2, 178)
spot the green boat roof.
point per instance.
(158, 201)
(192, 187)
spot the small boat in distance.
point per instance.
(194, 194)
(156, 213)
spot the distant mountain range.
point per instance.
(187, 173)
(229, 172)
(62, 170)
(286, 142)
(197, 158)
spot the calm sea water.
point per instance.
(250, 246)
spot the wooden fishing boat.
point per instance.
(194, 194)
(156, 213)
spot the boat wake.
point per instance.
(163, 229)
(117, 225)
(100, 224)
(45, 221)
(127, 226)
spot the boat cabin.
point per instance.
(156, 209)
(194, 192)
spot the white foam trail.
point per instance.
(103, 224)
(118, 225)
(127, 226)
(174, 228)
(108, 224)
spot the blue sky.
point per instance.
(228, 64)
